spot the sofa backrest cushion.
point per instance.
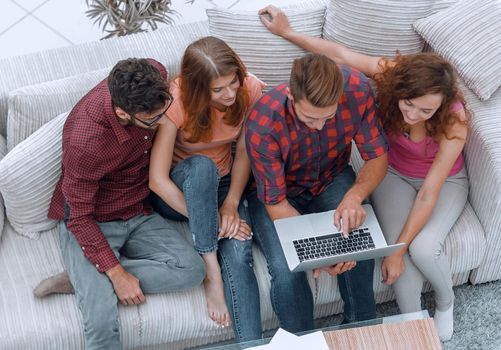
(440, 5)
(3, 152)
(468, 34)
(32, 106)
(376, 27)
(28, 176)
(266, 55)
(165, 45)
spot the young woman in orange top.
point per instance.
(195, 176)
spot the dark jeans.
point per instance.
(204, 193)
(291, 295)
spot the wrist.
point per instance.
(114, 272)
(354, 196)
(287, 33)
(232, 200)
(401, 252)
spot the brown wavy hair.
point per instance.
(411, 76)
(317, 79)
(203, 61)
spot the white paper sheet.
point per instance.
(285, 340)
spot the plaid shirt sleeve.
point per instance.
(370, 138)
(263, 148)
(83, 170)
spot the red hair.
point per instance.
(411, 76)
(205, 60)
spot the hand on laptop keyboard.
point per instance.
(349, 215)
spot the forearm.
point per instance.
(281, 210)
(418, 217)
(168, 191)
(240, 173)
(369, 177)
(336, 52)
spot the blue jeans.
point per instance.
(204, 192)
(291, 295)
(150, 249)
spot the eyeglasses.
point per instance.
(153, 121)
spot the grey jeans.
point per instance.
(150, 249)
(425, 260)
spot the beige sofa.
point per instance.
(36, 90)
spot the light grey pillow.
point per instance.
(32, 106)
(266, 55)
(28, 176)
(468, 34)
(440, 5)
(3, 152)
(376, 27)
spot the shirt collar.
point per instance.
(290, 111)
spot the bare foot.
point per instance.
(59, 283)
(214, 293)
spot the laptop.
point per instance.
(311, 240)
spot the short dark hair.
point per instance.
(137, 86)
(317, 79)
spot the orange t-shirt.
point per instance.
(223, 135)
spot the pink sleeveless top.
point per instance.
(414, 159)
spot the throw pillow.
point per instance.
(376, 27)
(32, 106)
(266, 55)
(468, 34)
(3, 152)
(28, 176)
(440, 5)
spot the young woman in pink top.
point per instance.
(194, 175)
(426, 187)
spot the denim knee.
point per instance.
(201, 168)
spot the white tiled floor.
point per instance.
(33, 25)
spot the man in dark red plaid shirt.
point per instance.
(113, 245)
(298, 139)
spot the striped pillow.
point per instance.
(3, 152)
(266, 55)
(440, 5)
(468, 34)
(376, 27)
(32, 106)
(28, 176)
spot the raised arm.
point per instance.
(160, 163)
(276, 21)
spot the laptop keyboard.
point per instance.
(333, 244)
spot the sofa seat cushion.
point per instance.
(177, 320)
(28, 176)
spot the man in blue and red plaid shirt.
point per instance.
(299, 138)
